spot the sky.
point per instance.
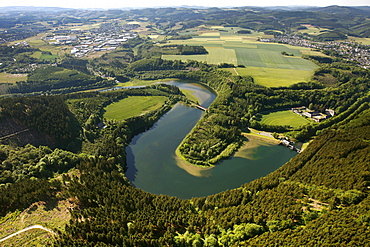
(106, 4)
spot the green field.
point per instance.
(364, 41)
(12, 78)
(271, 77)
(311, 30)
(269, 55)
(133, 106)
(39, 55)
(37, 42)
(283, 118)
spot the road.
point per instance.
(26, 229)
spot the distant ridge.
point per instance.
(342, 10)
(32, 9)
(334, 9)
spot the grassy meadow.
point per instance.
(39, 55)
(12, 78)
(364, 41)
(190, 95)
(271, 77)
(283, 118)
(311, 30)
(133, 106)
(263, 61)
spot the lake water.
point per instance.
(154, 167)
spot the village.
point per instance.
(349, 50)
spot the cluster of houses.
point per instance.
(314, 115)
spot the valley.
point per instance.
(101, 140)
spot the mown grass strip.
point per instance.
(283, 118)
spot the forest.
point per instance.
(55, 143)
(269, 211)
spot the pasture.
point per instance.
(12, 78)
(364, 41)
(39, 55)
(133, 106)
(272, 77)
(283, 118)
(311, 30)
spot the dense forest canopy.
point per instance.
(56, 145)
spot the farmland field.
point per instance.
(311, 30)
(271, 77)
(269, 55)
(133, 106)
(39, 55)
(283, 118)
(263, 61)
(12, 78)
(364, 41)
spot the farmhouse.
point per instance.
(314, 115)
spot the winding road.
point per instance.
(28, 228)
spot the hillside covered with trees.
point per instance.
(326, 187)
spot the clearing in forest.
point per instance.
(133, 106)
(282, 118)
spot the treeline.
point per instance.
(20, 195)
(155, 64)
(191, 50)
(324, 188)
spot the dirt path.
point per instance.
(26, 229)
